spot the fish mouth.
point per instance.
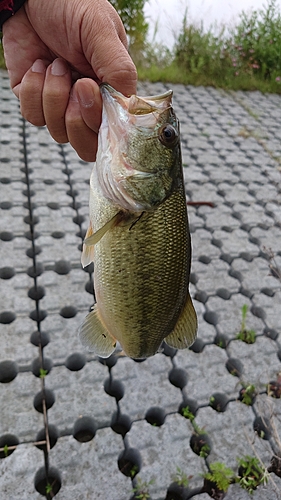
(135, 105)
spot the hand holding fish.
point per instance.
(57, 53)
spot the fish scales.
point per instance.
(141, 270)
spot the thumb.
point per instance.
(105, 47)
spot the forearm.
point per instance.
(8, 8)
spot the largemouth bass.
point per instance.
(138, 237)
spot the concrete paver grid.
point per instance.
(108, 421)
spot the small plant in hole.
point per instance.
(141, 490)
(180, 478)
(187, 413)
(247, 336)
(220, 475)
(248, 394)
(6, 450)
(205, 450)
(48, 488)
(251, 473)
(43, 373)
(134, 470)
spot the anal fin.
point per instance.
(184, 333)
(95, 337)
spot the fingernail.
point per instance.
(73, 95)
(38, 66)
(85, 96)
(58, 67)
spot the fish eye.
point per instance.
(168, 135)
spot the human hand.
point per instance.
(57, 53)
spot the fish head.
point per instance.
(138, 159)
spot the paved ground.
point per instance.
(102, 421)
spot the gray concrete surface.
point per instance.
(231, 144)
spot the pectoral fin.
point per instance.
(88, 252)
(184, 333)
(96, 237)
(95, 337)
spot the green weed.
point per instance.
(221, 475)
(247, 336)
(251, 473)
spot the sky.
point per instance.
(168, 14)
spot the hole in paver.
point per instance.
(68, 311)
(227, 229)
(234, 366)
(39, 397)
(36, 292)
(53, 205)
(178, 377)
(78, 219)
(39, 338)
(223, 293)
(38, 315)
(110, 361)
(218, 401)
(262, 427)
(258, 312)
(155, 416)
(58, 234)
(235, 274)
(5, 180)
(201, 296)
(35, 271)
(31, 220)
(6, 205)
(217, 243)
(197, 346)
(40, 368)
(6, 236)
(62, 267)
(221, 340)
(129, 462)
(200, 443)
(53, 437)
(84, 429)
(32, 235)
(49, 182)
(270, 333)
(47, 484)
(7, 317)
(72, 192)
(7, 440)
(211, 317)
(89, 269)
(120, 423)
(193, 278)
(7, 272)
(204, 259)
(268, 291)
(28, 193)
(246, 256)
(177, 491)
(8, 371)
(89, 287)
(75, 361)
(188, 408)
(168, 350)
(226, 258)
(31, 252)
(114, 388)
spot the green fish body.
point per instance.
(138, 237)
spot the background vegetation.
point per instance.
(246, 56)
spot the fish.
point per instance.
(138, 237)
